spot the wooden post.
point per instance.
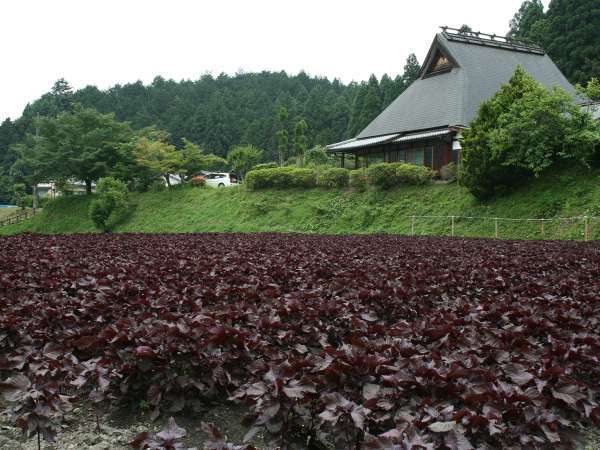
(586, 233)
(496, 225)
(412, 225)
(342, 160)
(452, 231)
(356, 160)
(542, 228)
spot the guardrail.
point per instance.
(546, 228)
(20, 217)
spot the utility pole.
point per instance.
(37, 135)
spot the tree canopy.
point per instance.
(242, 157)
(568, 31)
(523, 130)
(80, 145)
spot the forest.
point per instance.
(218, 112)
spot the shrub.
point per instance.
(411, 174)
(382, 175)
(111, 198)
(334, 177)
(242, 158)
(157, 185)
(448, 172)
(520, 132)
(281, 178)
(358, 179)
(317, 156)
(43, 202)
(26, 201)
(198, 181)
(269, 165)
(389, 175)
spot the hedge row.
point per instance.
(382, 176)
(281, 177)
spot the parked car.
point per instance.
(219, 179)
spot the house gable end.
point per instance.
(438, 60)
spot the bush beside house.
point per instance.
(390, 175)
(357, 179)
(281, 177)
(333, 177)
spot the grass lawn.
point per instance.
(186, 209)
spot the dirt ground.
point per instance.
(119, 428)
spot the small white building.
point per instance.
(50, 190)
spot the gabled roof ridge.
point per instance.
(490, 40)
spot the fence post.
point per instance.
(452, 232)
(542, 228)
(412, 225)
(586, 233)
(496, 226)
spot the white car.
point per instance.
(219, 179)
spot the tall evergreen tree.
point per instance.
(412, 69)
(572, 37)
(372, 102)
(282, 134)
(526, 23)
(300, 141)
(62, 92)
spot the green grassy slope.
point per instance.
(187, 209)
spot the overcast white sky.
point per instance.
(107, 42)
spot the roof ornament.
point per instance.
(467, 36)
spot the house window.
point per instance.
(375, 158)
(415, 156)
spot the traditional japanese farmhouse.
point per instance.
(461, 70)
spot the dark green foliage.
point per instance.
(317, 156)
(111, 199)
(526, 23)
(390, 175)
(242, 158)
(282, 134)
(572, 38)
(269, 165)
(412, 69)
(333, 177)
(20, 195)
(300, 140)
(217, 113)
(358, 179)
(448, 172)
(568, 31)
(80, 145)
(521, 131)
(591, 90)
(8, 137)
(281, 178)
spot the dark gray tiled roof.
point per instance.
(453, 98)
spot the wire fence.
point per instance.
(584, 228)
(19, 217)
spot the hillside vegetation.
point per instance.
(186, 209)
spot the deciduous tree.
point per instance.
(521, 131)
(80, 145)
(154, 154)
